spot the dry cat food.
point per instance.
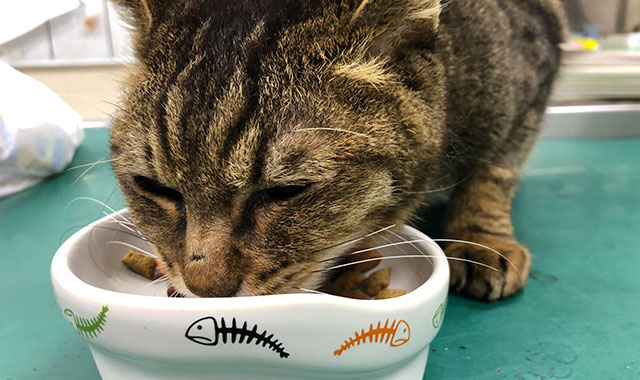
(390, 293)
(377, 281)
(353, 283)
(147, 267)
(140, 263)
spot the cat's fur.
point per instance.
(254, 134)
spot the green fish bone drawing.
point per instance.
(90, 328)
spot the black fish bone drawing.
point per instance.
(208, 332)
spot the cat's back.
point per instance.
(501, 57)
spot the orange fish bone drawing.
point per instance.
(396, 335)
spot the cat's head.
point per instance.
(254, 135)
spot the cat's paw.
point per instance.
(483, 283)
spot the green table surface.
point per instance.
(577, 209)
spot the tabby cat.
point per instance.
(255, 134)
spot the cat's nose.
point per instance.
(229, 289)
(205, 277)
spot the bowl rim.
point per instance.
(64, 279)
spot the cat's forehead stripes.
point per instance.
(217, 103)
(207, 125)
(170, 64)
(211, 109)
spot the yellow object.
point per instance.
(589, 44)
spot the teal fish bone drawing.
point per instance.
(90, 328)
(396, 335)
(208, 332)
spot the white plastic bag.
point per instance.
(19, 17)
(39, 132)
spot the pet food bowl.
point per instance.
(135, 331)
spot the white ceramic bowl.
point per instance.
(136, 332)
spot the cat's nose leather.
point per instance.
(213, 275)
(222, 287)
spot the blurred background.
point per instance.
(80, 53)
(576, 205)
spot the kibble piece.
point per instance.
(349, 280)
(377, 281)
(390, 293)
(367, 265)
(140, 263)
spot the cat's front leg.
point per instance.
(480, 212)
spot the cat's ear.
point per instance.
(142, 14)
(399, 22)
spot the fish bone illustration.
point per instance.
(208, 332)
(396, 335)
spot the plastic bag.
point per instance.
(19, 17)
(39, 132)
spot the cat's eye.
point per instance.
(283, 193)
(154, 187)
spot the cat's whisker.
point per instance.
(119, 222)
(433, 241)
(93, 165)
(404, 257)
(311, 291)
(104, 205)
(152, 255)
(96, 201)
(402, 238)
(141, 237)
(124, 223)
(441, 188)
(158, 280)
(377, 247)
(354, 240)
(135, 233)
(85, 165)
(481, 246)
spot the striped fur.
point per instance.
(254, 134)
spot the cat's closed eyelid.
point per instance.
(282, 193)
(153, 187)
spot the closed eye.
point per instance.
(283, 193)
(155, 188)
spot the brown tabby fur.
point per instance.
(365, 105)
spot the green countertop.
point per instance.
(577, 209)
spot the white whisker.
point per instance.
(85, 165)
(402, 238)
(98, 202)
(152, 255)
(117, 221)
(482, 246)
(381, 246)
(355, 240)
(135, 235)
(85, 172)
(408, 256)
(312, 291)
(439, 189)
(160, 279)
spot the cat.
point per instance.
(254, 135)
